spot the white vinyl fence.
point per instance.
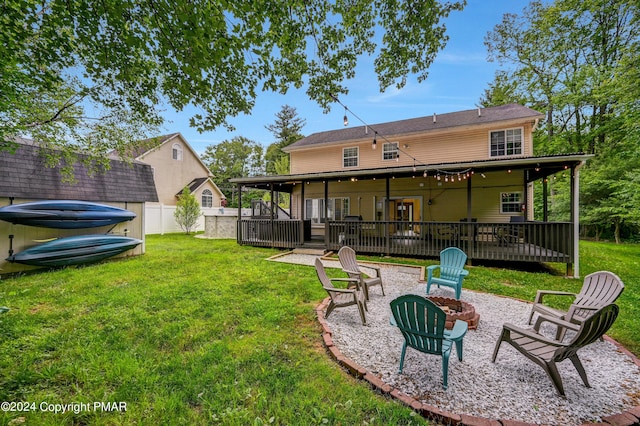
(160, 219)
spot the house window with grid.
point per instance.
(350, 157)
(338, 208)
(510, 202)
(390, 151)
(207, 198)
(176, 152)
(506, 142)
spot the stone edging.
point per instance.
(627, 418)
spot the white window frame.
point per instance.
(509, 146)
(390, 151)
(207, 198)
(347, 159)
(314, 209)
(176, 152)
(512, 200)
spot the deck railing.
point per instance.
(526, 241)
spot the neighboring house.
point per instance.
(413, 187)
(175, 166)
(25, 177)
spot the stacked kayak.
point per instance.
(69, 214)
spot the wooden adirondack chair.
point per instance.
(452, 272)
(341, 297)
(347, 257)
(598, 289)
(547, 352)
(422, 325)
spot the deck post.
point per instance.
(273, 228)
(302, 211)
(326, 213)
(239, 230)
(575, 219)
(386, 218)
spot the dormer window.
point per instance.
(177, 152)
(506, 143)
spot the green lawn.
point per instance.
(201, 331)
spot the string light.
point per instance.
(346, 119)
(375, 142)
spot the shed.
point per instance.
(24, 177)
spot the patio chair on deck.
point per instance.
(422, 325)
(452, 272)
(341, 297)
(598, 289)
(347, 257)
(547, 352)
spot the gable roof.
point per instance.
(138, 149)
(24, 174)
(434, 122)
(195, 184)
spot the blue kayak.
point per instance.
(64, 214)
(75, 250)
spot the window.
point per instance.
(510, 202)
(314, 209)
(506, 142)
(350, 157)
(390, 151)
(207, 198)
(177, 152)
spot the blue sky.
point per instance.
(457, 79)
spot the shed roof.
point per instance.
(434, 122)
(23, 174)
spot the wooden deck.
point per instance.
(526, 241)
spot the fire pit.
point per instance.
(457, 310)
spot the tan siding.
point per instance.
(446, 147)
(171, 175)
(448, 199)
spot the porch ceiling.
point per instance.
(537, 168)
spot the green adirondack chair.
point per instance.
(452, 272)
(421, 323)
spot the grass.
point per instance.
(201, 332)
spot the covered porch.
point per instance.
(403, 211)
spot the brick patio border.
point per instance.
(627, 418)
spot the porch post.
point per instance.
(575, 218)
(273, 228)
(326, 213)
(302, 212)
(545, 200)
(386, 217)
(239, 229)
(469, 213)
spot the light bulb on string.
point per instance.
(375, 142)
(346, 120)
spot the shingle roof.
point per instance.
(25, 175)
(194, 185)
(138, 148)
(421, 124)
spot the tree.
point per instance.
(239, 157)
(92, 75)
(286, 130)
(187, 210)
(578, 61)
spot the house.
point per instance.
(415, 186)
(25, 177)
(175, 166)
